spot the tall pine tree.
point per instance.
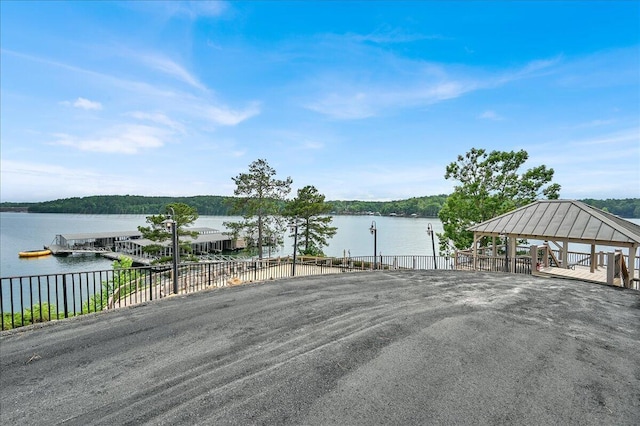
(261, 198)
(314, 226)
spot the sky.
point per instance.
(363, 100)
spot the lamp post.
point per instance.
(293, 227)
(173, 225)
(374, 232)
(433, 245)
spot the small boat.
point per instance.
(34, 253)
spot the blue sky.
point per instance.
(363, 100)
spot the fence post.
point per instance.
(150, 281)
(64, 296)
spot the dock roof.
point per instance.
(201, 238)
(125, 234)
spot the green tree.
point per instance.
(489, 184)
(158, 231)
(260, 200)
(314, 226)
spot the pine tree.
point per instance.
(157, 231)
(310, 210)
(261, 198)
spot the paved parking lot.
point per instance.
(400, 347)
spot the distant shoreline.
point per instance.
(214, 205)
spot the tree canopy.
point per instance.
(310, 211)
(489, 184)
(261, 198)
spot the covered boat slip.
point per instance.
(131, 243)
(92, 242)
(204, 243)
(558, 223)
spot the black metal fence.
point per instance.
(32, 299)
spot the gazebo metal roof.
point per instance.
(565, 220)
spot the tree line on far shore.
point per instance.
(216, 205)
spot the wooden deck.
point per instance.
(582, 273)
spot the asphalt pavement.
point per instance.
(392, 347)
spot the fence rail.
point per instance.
(31, 299)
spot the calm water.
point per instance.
(30, 231)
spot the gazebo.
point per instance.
(562, 222)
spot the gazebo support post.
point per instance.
(533, 252)
(513, 252)
(592, 260)
(545, 261)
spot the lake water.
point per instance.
(32, 231)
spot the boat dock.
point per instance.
(97, 242)
(131, 244)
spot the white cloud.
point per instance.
(83, 103)
(196, 9)
(490, 115)
(345, 107)
(190, 9)
(26, 181)
(206, 8)
(424, 84)
(630, 136)
(594, 123)
(371, 102)
(229, 117)
(578, 164)
(87, 104)
(192, 106)
(170, 67)
(158, 118)
(381, 182)
(126, 139)
(605, 68)
(386, 35)
(313, 145)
